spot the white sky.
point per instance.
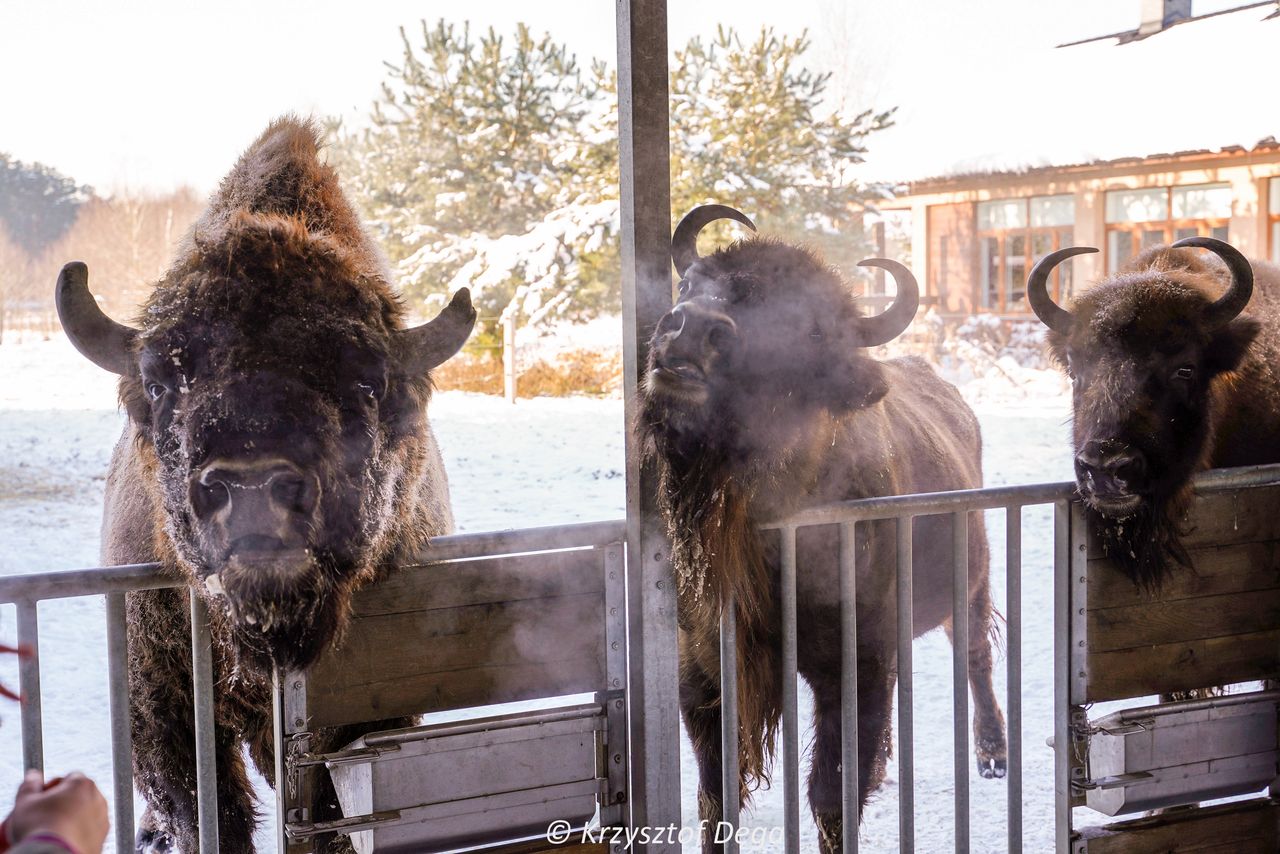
(150, 95)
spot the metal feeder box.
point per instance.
(447, 785)
(1183, 753)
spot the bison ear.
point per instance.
(1229, 344)
(424, 347)
(860, 384)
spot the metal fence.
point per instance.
(113, 583)
(904, 509)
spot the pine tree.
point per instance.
(494, 164)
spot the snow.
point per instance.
(542, 461)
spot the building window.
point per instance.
(1273, 217)
(1140, 219)
(890, 232)
(1012, 235)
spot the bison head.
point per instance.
(281, 403)
(1142, 349)
(762, 331)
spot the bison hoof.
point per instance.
(993, 767)
(151, 841)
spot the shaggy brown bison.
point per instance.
(760, 401)
(1168, 378)
(277, 456)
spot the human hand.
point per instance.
(70, 807)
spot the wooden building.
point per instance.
(973, 232)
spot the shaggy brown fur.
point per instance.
(275, 334)
(1132, 334)
(759, 403)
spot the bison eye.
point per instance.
(1185, 373)
(369, 390)
(155, 391)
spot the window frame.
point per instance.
(1059, 286)
(1168, 227)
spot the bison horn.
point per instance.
(424, 347)
(889, 324)
(1230, 304)
(684, 242)
(101, 340)
(1050, 313)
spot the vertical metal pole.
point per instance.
(645, 199)
(960, 671)
(849, 684)
(906, 733)
(1061, 676)
(29, 686)
(121, 730)
(206, 745)
(1013, 660)
(790, 724)
(509, 357)
(729, 769)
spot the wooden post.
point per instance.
(645, 158)
(509, 357)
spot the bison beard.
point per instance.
(1146, 546)
(717, 550)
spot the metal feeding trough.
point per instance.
(444, 786)
(1183, 752)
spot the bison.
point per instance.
(277, 456)
(1169, 378)
(761, 400)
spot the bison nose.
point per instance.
(1118, 461)
(696, 328)
(270, 498)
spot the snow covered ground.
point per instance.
(542, 461)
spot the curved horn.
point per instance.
(684, 242)
(101, 340)
(424, 347)
(1050, 313)
(1230, 304)
(889, 324)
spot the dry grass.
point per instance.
(586, 372)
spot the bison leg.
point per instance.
(989, 745)
(700, 708)
(162, 718)
(825, 785)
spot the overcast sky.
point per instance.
(150, 95)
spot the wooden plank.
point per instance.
(1225, 518)
(438, 692)
(397, 664)
(470, 582)
(1218, 569)
(1251, 827)
(1182, 620)
(1144, 671)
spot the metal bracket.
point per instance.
(344, 826)
(343, 757)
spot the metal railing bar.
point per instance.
(85, 582)
(906, 717)
(930, 503)
(206, 742)
(729, 722)
(1061, 677)
(790, 698)
(849, 685)
(1013, 664)
(994, 498)
(121, 731)
(960, 672)
(29, 686)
